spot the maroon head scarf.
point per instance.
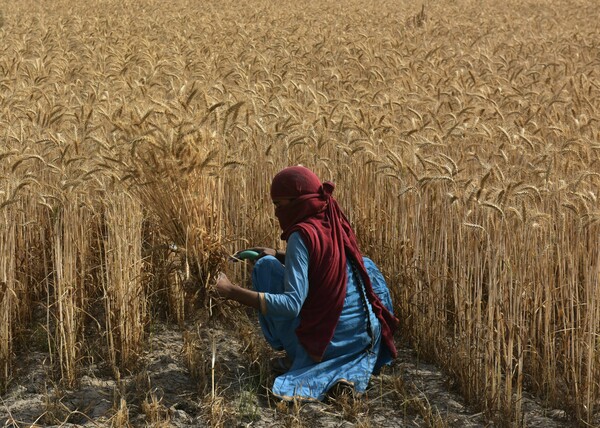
(326, 232)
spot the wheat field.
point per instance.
(139, 139)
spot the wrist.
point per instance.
(230, 291)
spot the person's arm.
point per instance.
(228, 290)
(289, 303)
(286, 304)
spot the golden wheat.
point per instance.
(464, 146)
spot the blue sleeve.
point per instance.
(295, 280)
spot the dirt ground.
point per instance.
(173, 387)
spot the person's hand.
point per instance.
(265, 251)
(252, 254)
(223, 287)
